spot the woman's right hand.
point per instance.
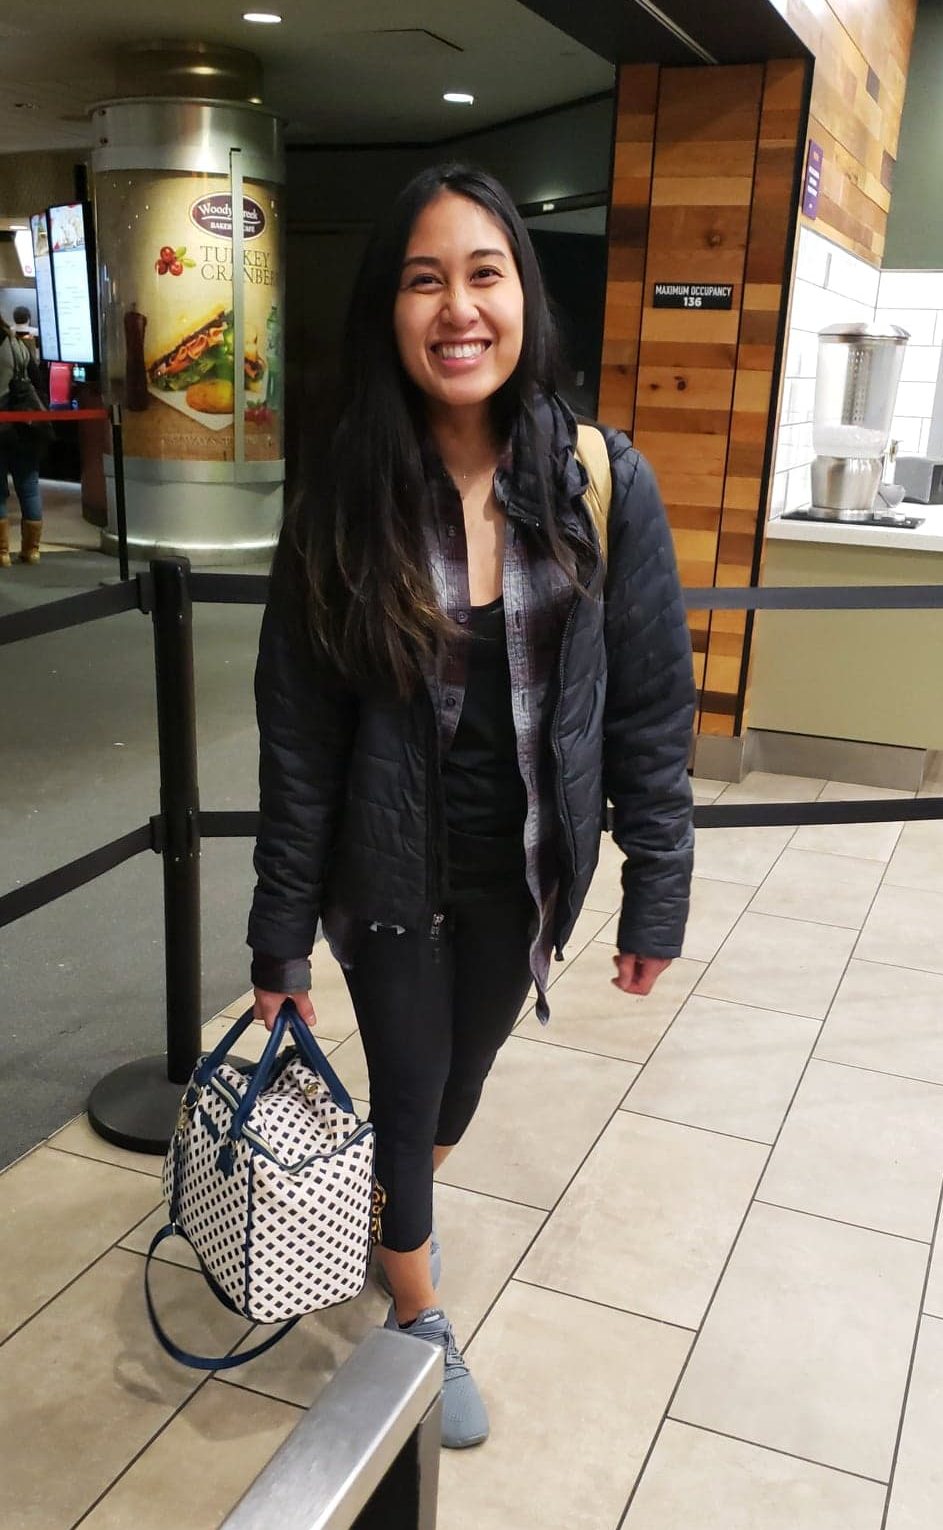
(267, 1006)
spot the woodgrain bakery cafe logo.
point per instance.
(213, 214)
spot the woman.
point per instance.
(439, 735)
(19, 459)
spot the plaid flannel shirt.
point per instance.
(537, 598)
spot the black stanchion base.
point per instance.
(136, 1106)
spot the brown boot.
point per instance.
(31, 533)
(4, 543)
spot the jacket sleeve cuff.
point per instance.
(280, 975)
(635, 941)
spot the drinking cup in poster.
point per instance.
(169, 315)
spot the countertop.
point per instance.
(925, 538)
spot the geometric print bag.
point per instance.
(269, 1178)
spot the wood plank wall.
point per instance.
(720, 145)
(862, 51)
(628, 239)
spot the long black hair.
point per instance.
(357, 522)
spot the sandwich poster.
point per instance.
(168, 314)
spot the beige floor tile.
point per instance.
(933, 1301)
(857, 1029)
(591, 924)
(172, 1251)
(703, 1480)
(766, 786)
(726, 1068)
(807, 1345)
(200, 1466)
(903, 929)
(715, 909)
(870, 841)
(784, 964)
(58, 1213)
(917, 861)
(79, 1137)
(299, 1368)
(239, 1005)
(587, 1013)
(649, 1219)
(350, 1065)
(917, 1492)
(541, 1111)
(831, 889)
(85, 1386)
(861, 1147)
(605, 890)
(703, 789)
(739, 855)
(483, 1241)
(561, 1457)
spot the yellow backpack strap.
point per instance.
(592, 452)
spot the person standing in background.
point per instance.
(19, 457)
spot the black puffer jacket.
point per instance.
(347, 785)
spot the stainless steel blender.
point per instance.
(855, 389)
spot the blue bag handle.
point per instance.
(201, 1362)
(308, 1049)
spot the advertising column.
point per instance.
(192, 346)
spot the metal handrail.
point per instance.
(385, 1399)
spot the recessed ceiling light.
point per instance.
(264, 18)
(459, 98)
(547, 206)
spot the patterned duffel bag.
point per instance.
(269, 1178)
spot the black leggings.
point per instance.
(433, 1012)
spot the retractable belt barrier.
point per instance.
(136, 1105)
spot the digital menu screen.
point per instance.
(45, 300)
(71, 278)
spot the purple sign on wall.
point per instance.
(813, 179)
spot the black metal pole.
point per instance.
(121, 508)
(180, 810)
(136, 1105)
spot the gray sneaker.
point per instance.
(464, 1420)
(435, 1266)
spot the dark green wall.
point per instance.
(915, 225)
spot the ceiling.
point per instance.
(366, 71)
(337, 70)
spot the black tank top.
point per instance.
(485, 800)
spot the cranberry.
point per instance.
(167, 254)
(160, 266)
(176, 268)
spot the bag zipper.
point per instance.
(234, 1100)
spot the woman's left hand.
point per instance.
(638, 974)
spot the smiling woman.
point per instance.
(450, 682)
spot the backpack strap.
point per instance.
(592, 452)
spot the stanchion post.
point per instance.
(180, 810)
(136, 1105)
(121, 506)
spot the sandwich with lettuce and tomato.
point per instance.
(201, 366)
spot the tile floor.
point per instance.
(688, 1242)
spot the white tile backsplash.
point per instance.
(921, 363)
(815, 307)
(915, 398)
(920, 323)
(911, 289)
(812, 256)
(853, 278)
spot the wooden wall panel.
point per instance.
(705, 147)
(723, 153)
(861, 55)
(630, 196)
